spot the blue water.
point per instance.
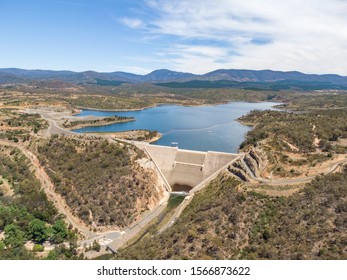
(203, 128)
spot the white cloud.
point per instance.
(132, 22)
(304, 35)
(199, 58)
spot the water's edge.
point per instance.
(202, 128)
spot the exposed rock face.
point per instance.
(249, 166)
(251, 163)
(238, 173)
(254, 155)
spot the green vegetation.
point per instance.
(100, 181)
(102, 82)
(322, 100)
(149, 134)
(109, 102)
(104, 186)
(276, 85)
(95, 246)
(139, 135)
(16, 126)
(136, 96)
(298, 129)
(97, 122)
(156, 224)
(225, 221)
(28, 215)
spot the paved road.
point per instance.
(115, 239)
(185, 203)
(118, 238)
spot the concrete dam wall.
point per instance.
(184, 169)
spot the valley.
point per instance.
(276, 192)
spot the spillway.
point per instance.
(185, 167)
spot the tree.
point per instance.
(96, 246)
(59, 231)
(38, 248)
(38, 230)
(53, 255)
(14, 236)
(2, 246)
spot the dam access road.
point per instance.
(187, 169)
(179, 170)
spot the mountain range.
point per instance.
(262, 79)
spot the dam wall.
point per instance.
(187, 168)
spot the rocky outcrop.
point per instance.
(240, 174)
(251, 164)
(254, 155)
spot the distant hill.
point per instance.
(271, 76)
(270, 85)
(7, 78)
(234, 78)
(167, 75)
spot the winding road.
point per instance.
(116, 238)
(294, 181)
(48, 188)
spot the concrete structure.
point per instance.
(185, 167)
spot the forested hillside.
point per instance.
(235, 220)
(26, 214)
(299, 129)
(225, 221)
(100, 181)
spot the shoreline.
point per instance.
(155, 139)
(114, 110)
(175, 104)
(157, 105)
(244, 123)
(79, 126)
(119, 135)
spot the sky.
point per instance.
(196, 36)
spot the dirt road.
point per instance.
(294, 181)
(48, 188)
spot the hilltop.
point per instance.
(221, 78)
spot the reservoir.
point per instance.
(202, 128)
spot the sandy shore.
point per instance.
(152, 106)
(128, 135)
(82, 125)
(115, 110)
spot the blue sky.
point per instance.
(195, 36)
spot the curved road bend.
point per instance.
(120, 237)
(185, 203)
(53, 128)
(282, 182)
(48, 188)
